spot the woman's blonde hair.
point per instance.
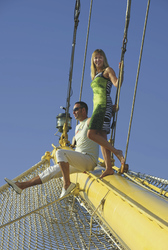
(93, 67)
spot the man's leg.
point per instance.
(67, 159)
(48, 174)
(19, 186)
(64, 166)
(67, 185)
(35, 181)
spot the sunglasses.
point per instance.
(76, 109)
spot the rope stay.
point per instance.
(87, 37)
(76, 21)
(137, 77)
(121, 71)
(123, 50)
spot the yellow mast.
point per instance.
(138, 217)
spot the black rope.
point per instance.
(86, 45)
(76, 21)
(87, 37)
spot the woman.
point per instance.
(103, 77)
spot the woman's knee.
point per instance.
(90, 134)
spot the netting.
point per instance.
(153, 183)
(36, 220)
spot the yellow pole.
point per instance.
(138, 217)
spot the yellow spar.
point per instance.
(138, 217)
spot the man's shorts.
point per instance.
(78, 162)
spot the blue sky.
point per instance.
(35, 51)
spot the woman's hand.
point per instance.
(110, 74)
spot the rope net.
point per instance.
(155, 184)
(36, 220)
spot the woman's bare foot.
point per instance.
(120, 156)
(109, 171)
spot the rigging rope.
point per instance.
(136, 84)
(86, 49)
(76, 21)
(121, 71)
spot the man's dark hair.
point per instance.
(83, 105)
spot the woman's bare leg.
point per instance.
(107, 159)
(96, 136)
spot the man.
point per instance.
(84, 158)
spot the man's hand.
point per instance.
(73, 142)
